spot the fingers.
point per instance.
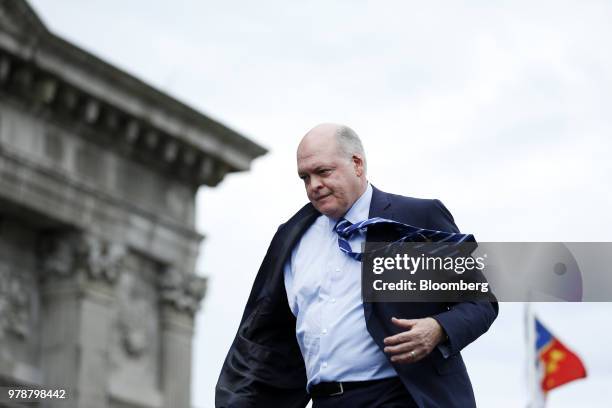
(409, 346)
(399, 338)
(403, 323)
(400, 348)
(409, 357)
(402, 337)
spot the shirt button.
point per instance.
(337, 269)
(324, 331)
(333, 300)
(324, 364)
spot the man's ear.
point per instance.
(358, 163)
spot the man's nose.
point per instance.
(315, 183)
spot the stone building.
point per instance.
(98, 175)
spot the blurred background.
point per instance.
(502, 111)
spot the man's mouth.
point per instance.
(322, 197)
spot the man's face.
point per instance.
(333, 181)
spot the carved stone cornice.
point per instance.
(65, 83)
(183, 292)
(107, 124)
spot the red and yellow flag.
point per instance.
(557, 365)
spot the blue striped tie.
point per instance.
(408, 233)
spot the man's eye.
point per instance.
(325, 172)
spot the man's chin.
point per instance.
(326, 209)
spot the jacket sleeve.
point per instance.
(466, 321)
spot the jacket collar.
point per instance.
(380, 206)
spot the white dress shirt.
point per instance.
(324, 291)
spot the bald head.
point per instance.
(345, 139)
(331, 162)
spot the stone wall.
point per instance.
(98, 176)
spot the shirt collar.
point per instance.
(360, 209)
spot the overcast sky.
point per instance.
(499, 109)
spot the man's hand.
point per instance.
(419, 339)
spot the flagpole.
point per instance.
(532, 382)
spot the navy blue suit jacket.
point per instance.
(264, 366)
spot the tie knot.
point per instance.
(342, 227)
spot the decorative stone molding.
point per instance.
(182, 291)
(134, 326)
(134, 338)
(101, 259)
(66, 253)
(58, 254)
(14, 306)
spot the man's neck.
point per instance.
(363, 192)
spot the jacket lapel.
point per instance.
(380, 206)
(291, 232)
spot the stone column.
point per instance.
(79, 272)
(180, 296)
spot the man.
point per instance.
(305, 331)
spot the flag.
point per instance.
(556, 364)
(550, 363)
